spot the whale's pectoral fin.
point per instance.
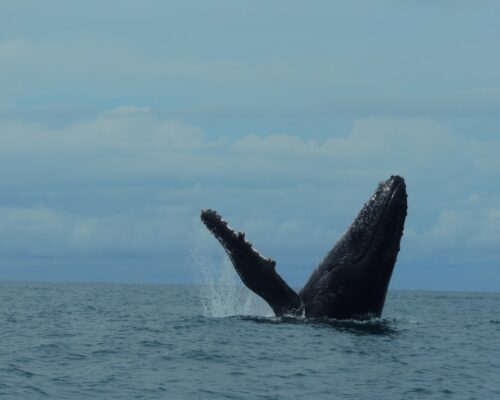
(257, 272)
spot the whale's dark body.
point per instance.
(352, 279)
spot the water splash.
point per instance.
(222, 293)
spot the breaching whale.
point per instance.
(352, 280)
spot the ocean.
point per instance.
(113, 341)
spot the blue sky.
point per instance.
(120, 121)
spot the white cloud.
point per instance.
(40, 231)
(469, 228)
(129, 182)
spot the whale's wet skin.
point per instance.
(350, 282)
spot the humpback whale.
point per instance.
(352, 280)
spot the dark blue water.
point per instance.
(75, 341)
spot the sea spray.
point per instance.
(222, 293)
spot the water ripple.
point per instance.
(71, 341)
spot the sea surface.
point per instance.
(111, 341)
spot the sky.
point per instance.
(120, 121)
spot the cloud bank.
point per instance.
(127, 187)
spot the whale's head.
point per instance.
(354, 276)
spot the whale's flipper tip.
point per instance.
(231, 239)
